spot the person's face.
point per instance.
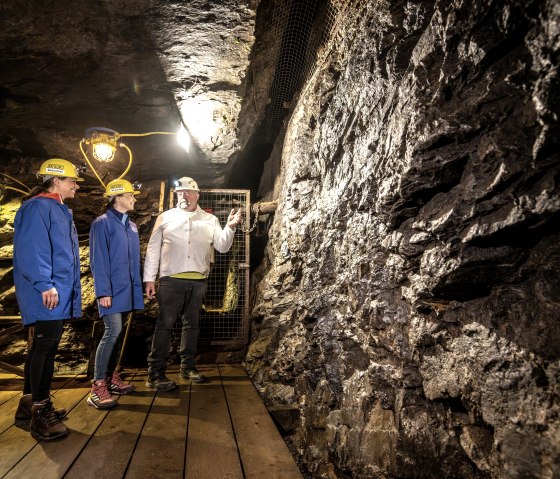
(67, 187)
(187, 199)
(125, 202)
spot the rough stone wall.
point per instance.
(204, 47)
(408, 302)
(135, 66)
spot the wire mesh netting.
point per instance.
(304, 26)
(308, 30)
(224, 318)
(293, 40)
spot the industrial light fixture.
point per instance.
(104, 143)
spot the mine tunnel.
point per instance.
(389, 305)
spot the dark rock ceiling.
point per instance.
(133, 66)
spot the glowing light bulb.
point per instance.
(103, 151)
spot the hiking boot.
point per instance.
(100, 397)
(116, 385)
(193, 375)
(45, 424)
(23, 413)
(160, 383)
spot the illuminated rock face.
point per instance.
(131, 66)
(408, 302)
(205, 54)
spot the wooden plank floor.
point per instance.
(218, 429)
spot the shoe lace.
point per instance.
(102, 391)
(117, 380)
(48, 413)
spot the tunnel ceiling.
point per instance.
(134, 66)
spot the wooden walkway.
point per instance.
(219, 429)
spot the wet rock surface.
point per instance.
(408, 302)
(405, 319)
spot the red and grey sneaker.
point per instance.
(100, 397)
(116, 385)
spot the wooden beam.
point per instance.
(11, 369)
(9, 319)
(160, 450)
(11, 330)
(161, 196)
(211, 447)
(264, 207)
(262, 450)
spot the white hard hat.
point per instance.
(186, 183)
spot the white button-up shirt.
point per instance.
(182, 241)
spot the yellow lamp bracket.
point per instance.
(104, 143)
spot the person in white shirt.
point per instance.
(180, 248)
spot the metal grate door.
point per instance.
(224, 319)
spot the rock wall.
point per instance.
(408, 302)
(203, 48)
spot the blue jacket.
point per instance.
(114, 255)
(46, 255)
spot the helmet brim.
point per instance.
(121, 193)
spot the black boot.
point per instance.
(23, 413)
(45, 423)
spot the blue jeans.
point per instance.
(176, 296)
(113, 327)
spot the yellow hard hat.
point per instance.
(58, 167)
(118, 187)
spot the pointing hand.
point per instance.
(234, 218)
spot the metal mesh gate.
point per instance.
(224, 318)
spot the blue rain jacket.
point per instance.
(46, 255)
(114, 255)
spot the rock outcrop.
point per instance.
(408, 302)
